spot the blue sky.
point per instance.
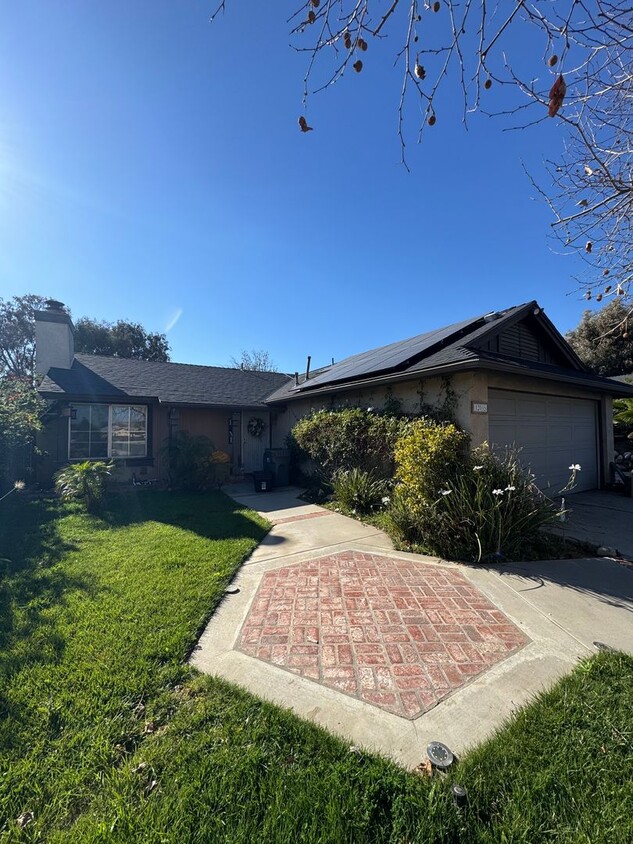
(151, 169)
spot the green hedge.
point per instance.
(340, 440)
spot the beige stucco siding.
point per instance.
(412, 395)
(470, 388)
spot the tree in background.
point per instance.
(604, 339)
(527, 62)
(256, 360)
(120, 339)
(17, 334)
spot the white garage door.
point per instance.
(552, 432)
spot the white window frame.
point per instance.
(110, 407)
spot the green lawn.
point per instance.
(107, 737)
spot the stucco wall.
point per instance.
(469, 388)
(411, 395)
(54, 339)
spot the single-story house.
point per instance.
(510, 376)
(110, 407)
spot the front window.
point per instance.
(98, 431)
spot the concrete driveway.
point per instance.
(601, 518)
(392, 650)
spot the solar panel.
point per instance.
(385, 358)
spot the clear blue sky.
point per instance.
(151, 166)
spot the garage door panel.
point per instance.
(551, 433)
(560, 433)
(527, 409)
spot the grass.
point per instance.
(107, 736)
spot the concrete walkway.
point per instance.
(392, 650)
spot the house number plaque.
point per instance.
(479, 407)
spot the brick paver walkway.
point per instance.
(401, 635)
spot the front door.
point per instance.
(254, 445)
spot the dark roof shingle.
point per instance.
(98, 377)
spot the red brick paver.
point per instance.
(287, 519)
(398, 634)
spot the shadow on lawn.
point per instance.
(211, 515)
(31, 583)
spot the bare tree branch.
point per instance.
(584, 80)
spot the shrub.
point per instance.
(194, 464)
(359, 490)
(497, 508)
(488, 509)
(84, 482)
(352, 438)
(427, 453)
(215, 469)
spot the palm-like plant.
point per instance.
(623, 412)
(84, 482)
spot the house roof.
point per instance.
(96, 377)
(458, 346)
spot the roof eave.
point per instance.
(603, 385)
(110, 398)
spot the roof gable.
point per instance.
(529, 337)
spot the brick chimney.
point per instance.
(54, 338)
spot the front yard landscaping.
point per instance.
(106, 735)
(417, 478)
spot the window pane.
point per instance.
(120, 419)
(129, 431)
(99, 421)
(80, 436)
(78, 450)
(120, 448)
(99, 449)
(137, 419)
(81, 422)
(88, 431)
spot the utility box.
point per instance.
(281, 461)
(269, 461)
(263, 481)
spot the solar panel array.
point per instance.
(386, 358)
